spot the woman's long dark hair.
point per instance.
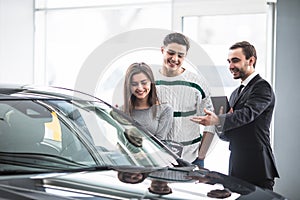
(129, 98)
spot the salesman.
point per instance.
(247, 125)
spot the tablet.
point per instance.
(219, 101)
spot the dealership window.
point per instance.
(215, 26)
(67, 32)
(232, 28)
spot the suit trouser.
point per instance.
(265, 184)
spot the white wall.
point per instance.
(16, 41)
(287, 115)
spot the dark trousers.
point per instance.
(266, 184)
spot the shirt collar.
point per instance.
(249, 78)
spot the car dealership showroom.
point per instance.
(138, 99)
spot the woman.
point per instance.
(141, 101)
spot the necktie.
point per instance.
(240, 89)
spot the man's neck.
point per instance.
(249, 77)
(170, 73)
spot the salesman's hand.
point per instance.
(209, 119)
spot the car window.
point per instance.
(29, 127)
(85, 132)
(117, 139)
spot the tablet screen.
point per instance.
(219, 101)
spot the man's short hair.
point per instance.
(247, 48)
(177, 38)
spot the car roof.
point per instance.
(17, 92)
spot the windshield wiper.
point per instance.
(38, 161)
(121, 168)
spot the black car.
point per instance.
(62, 144)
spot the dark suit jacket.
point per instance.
(248, 132)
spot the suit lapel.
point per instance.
(236, 97)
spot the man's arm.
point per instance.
(205, 144)
(209, 119)
(203, 148)
(260, 98)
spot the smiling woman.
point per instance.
(141, 101)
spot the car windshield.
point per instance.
(59, 133)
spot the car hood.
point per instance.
(106, 185)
